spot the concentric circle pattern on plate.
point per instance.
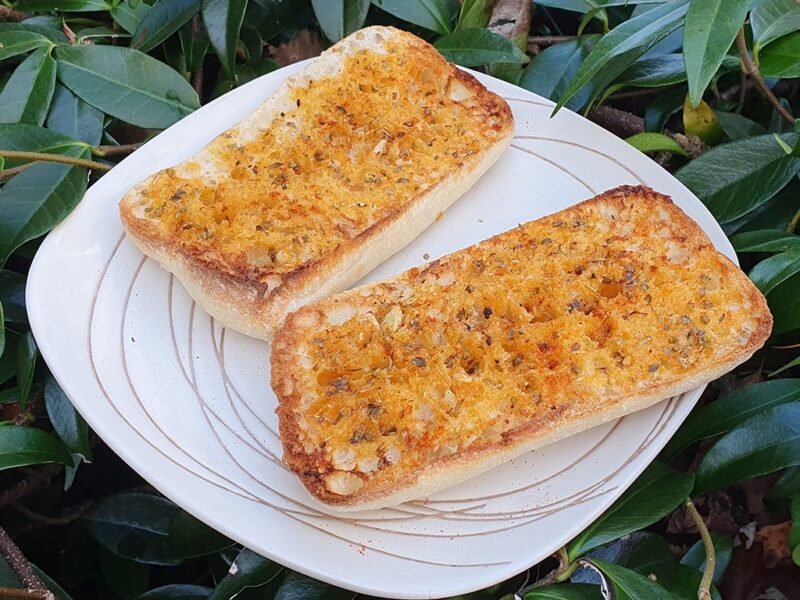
(187, 403)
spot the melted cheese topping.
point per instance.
(353, 149)
(555, 319)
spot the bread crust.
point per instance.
(288, 369)
(241, 300)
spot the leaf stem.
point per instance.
(64, 520)
(80, 162)
(19, 564)
(704, 592)
(752, 70)
(111, 150)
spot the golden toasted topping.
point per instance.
(559, 317)
(353, 148)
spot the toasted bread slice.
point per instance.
(395, 390)
(345, 164)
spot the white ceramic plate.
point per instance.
(187, 402)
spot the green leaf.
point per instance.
(474, 13)
(30, 138)
(784, 304)
(189, 537)
(13, 43)
(8, 358)
(771, 272)
(21, 446)
(626, 584)
(564, 591)
(746, 173)
(550, 71)
(35, 201)
(781, 59)
(436, 15)
(161, 21)
(195, 46)
(475, 47)
(737, 127)
(75, 118)
(126, 84)
(248, 570)
(26, 365)
(711, 27)
(654, 72)
(340, 18)
(662, 108)
(133, 526)
(177, 592)
(764, 443)
(301, 587)
(620, 48)
(252, 42)
(731, 410)
(128, 17)
(772, 19)
(54, 35)
(126, 577)
(26, 97)
(2, 329)
(655, 142)
(65, 5)
(584, 6)
(646, 553)
(655, 494)
(87, 33)
(66, 421)
(223, 20)
(788, 485)
(695, 557)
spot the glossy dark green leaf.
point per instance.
(474, 47)
(711, 27)
(765, 240)
(784, 304)
(765, 443)
(731, 410)
(189, 537)
(20, 446)
(550, 71)
(658, 71)
(772, 19)
(35, 201)
(737, 127)
(126, 84)
(273, 17)
(584, 6)
(620, 48)
(26, 97)
(771, 272)
(54, 35)
(2, 329)
(781, 59)
(248, 570)
(75, 118)
(746, 172)
(655, 142)
(252, 42)
(128, 17)
(436, 15)
(89, 33)
(134, 526)
(626, 584)
(695, 557)
(13, 43)
(126, 577)
(8, 358)
(161, 21)
(67, 423)
(787, 486)
(223, 20)
(65, 5)
(474, 13)
(655, 494)
(177, 592)
(340, 18)
(662, 108)
(195, 46)
(27, 353)
(564, 591)
(12, 295)
(301, 587)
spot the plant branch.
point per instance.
(752, 70)
(9, 14)
(548, 40)
(8, 173)
(80, 162)
(63, 520)
(24, 594)
(28, 485)
(704, 592)
(112, 150)
(19, 564)
(563, 572)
